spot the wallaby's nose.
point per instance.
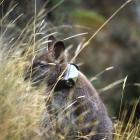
(27, 76)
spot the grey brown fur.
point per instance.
(76, 113)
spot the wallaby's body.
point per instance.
(71, 113)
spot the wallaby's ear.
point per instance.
(59, 48)
(51, 40)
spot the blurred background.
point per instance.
(116, 46)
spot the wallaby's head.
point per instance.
(49, 65)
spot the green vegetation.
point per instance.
(87, 18)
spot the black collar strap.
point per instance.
(69, 79)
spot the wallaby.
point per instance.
(74, 109)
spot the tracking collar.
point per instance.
(69, 79)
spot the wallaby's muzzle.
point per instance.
(36, 73)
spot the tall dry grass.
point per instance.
(20, 104)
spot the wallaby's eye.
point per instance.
(41, 64)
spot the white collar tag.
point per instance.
(69, 79)
(72, 73)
